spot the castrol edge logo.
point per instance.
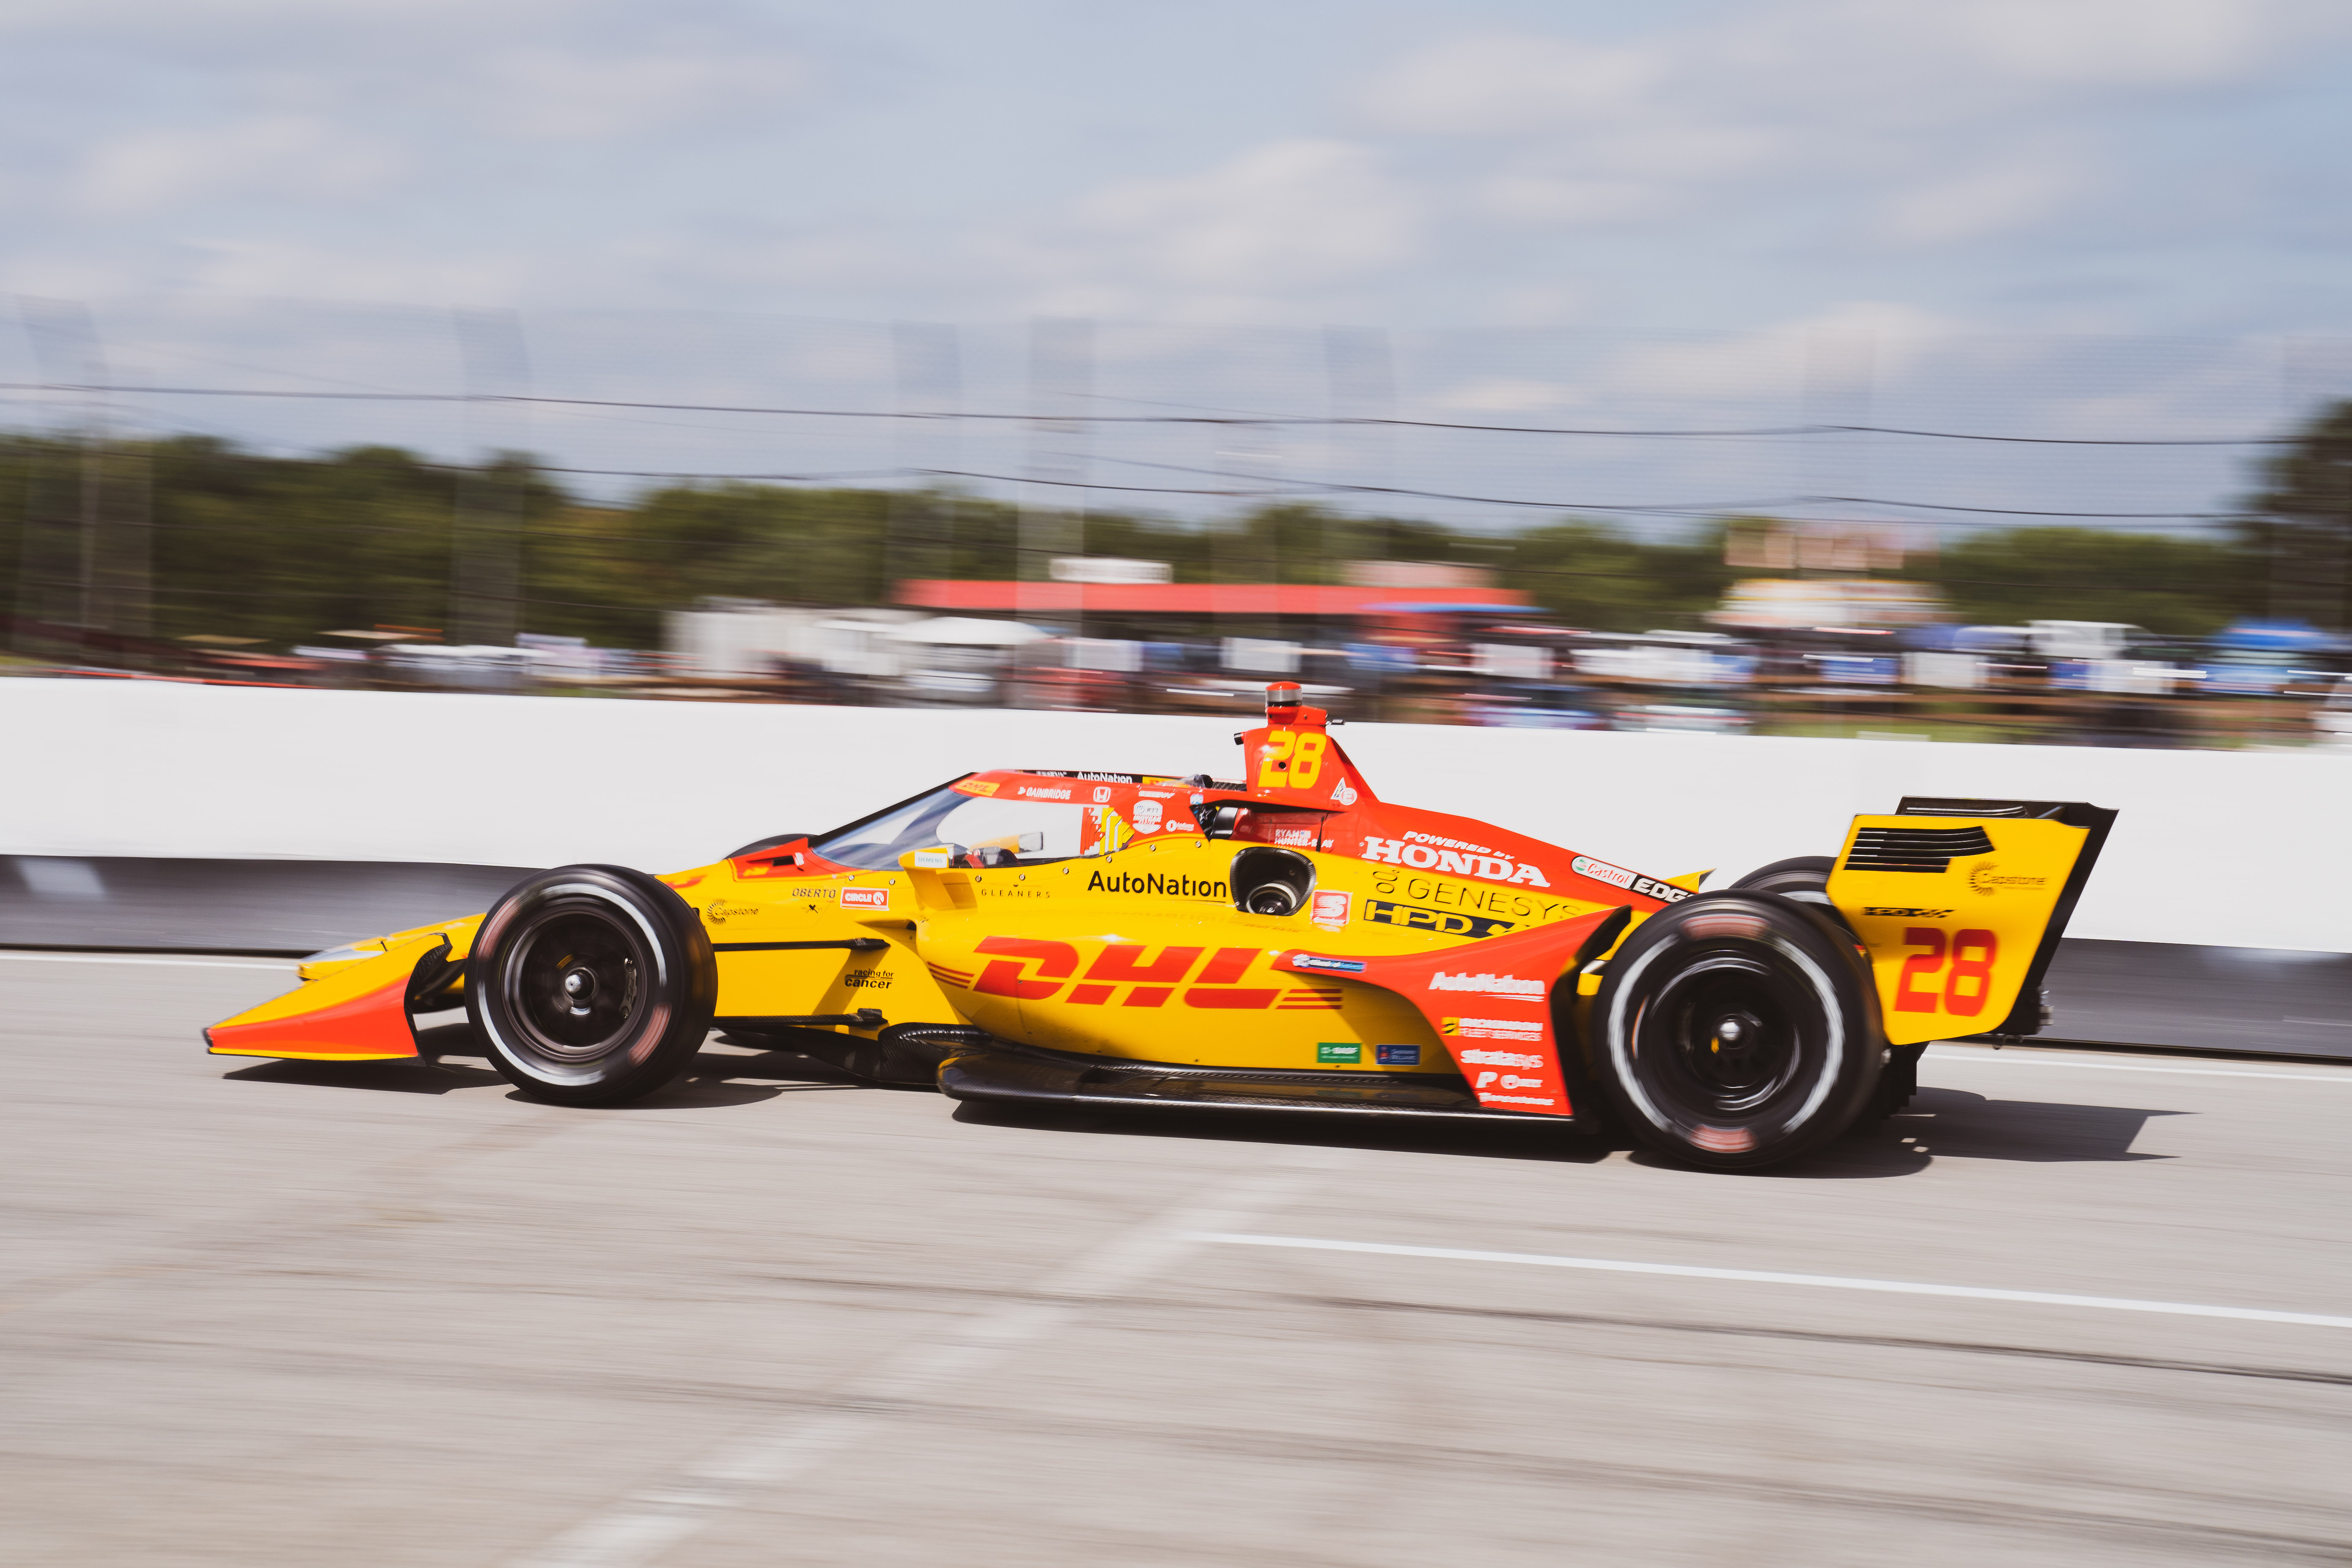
(1632, 881)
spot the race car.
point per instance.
(1283, 942)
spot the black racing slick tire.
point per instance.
(1804, 878)
(591, 986)
(1736, 1030)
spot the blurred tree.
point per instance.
(284, 549)
(1595, 575)
(2181, 586)
(2301, 526)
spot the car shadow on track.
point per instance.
(403, 1076)
(1938, 1123)
(1501, 1139)
(449, 1059)
(1953, 1124)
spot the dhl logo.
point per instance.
(1122, 965)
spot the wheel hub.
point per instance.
(574, 979)
(1729, 1033)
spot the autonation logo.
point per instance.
(1487, 984)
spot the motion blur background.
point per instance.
(1802, 368)
(1767, 371)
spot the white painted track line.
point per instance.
(1765, 1276)
(1989, 1059)
(280, 964)
(649, 1524)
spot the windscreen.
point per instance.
(1015, 832)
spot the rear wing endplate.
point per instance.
(1961, 919)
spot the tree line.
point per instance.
(282, 549)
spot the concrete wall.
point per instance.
(2227, 850)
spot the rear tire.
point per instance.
(1735, 1030)
(1804, 878)
(591, 986)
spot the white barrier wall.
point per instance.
(2238, 849)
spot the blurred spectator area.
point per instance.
(2044, 539)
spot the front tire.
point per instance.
(1736, 1030)
(591, 986)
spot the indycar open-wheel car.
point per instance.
(1286, 942)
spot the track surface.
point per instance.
(280, 1315)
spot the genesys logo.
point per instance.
(1488, 982)
(866, 897)
(1330, 965)
(1461, 862)
(1987, 881)
(1632, 881)
(1484, 1058)
(1908, 914)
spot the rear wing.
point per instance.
(1961, 917)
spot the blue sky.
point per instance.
(2145, 166)
(1968, 186)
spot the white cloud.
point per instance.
(260, 269)
(2135, 42)
(1857, 341)
(1507, 394)
(1896, 123)
(1497, 83)
(277, 157)
(1286, 213)
(566, 95)
(1976, 205)
(1527, 197)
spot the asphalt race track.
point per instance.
(391, 1314)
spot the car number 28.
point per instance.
(1971, 954)
(1292, 761)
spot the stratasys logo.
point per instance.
(1500, 1059)
(1488, 983)
(1985, 880)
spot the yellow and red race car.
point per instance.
(1286, 941)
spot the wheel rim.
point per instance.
(1783, 1055)
(573, 982)
(1725, 1032)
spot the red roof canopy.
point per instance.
(1180, 598)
